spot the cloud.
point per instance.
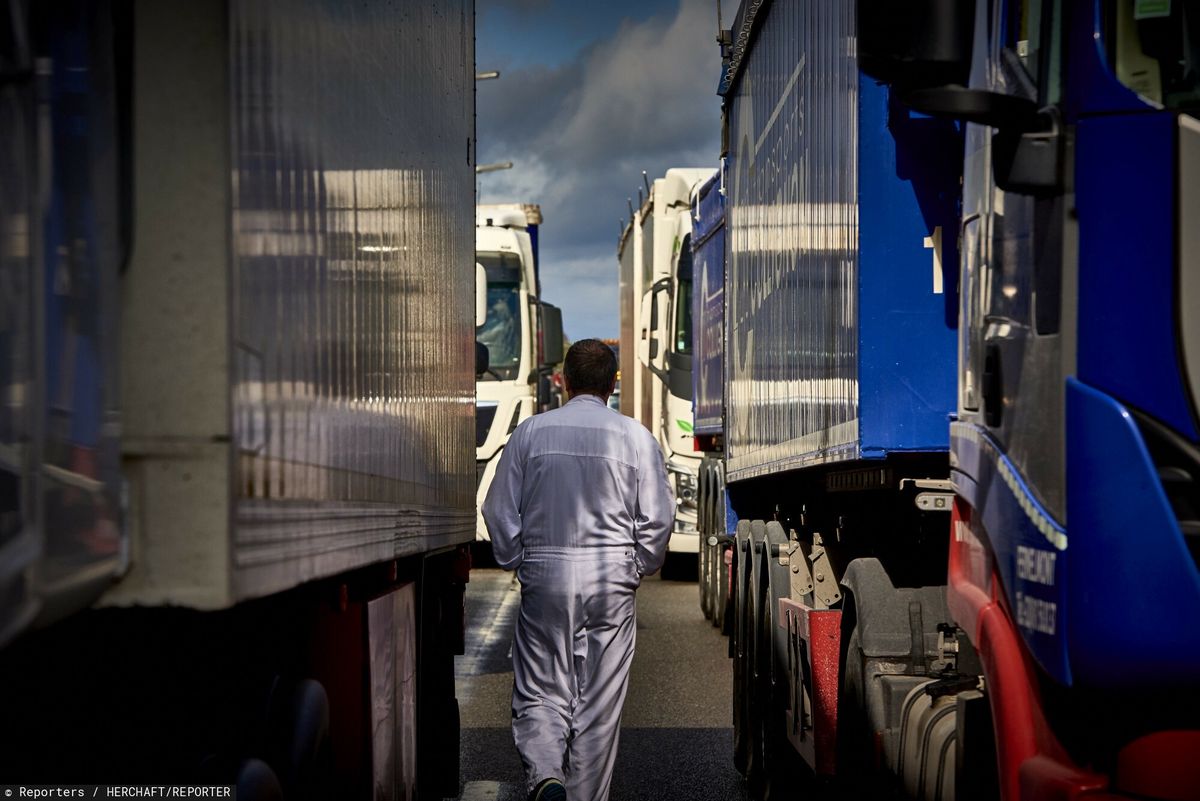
(522, 6)
(581, 133)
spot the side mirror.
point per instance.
(480, 295)
(916, 43)
(552, 335)
(482, 358)
(975, 105)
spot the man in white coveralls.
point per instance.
(581, 509)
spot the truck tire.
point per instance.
(737, 647)
(704, 527)
(297, 742)
(757, 648)
(782, 773)
(721, 571)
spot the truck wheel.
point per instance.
(703, 526)
(298, 737)
(721, 571)
(783, 772)
(757, 650)
(737, 647)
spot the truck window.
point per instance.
(501, 331)
(683, 300)
(1034, 35)
(1153, 47)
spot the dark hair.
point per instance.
(590, 367)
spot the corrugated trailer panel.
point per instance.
(841, 207)
(793, 236)
(353, 247)
(708, 307)
(338, 369)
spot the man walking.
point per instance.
(581, 509)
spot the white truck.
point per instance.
(655, 260)
(523, 335)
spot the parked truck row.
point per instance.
(237, 393)
(946, 391)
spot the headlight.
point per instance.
(685, 485)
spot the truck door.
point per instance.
(1013, 359)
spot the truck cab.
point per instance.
(1074, 450)
(515, 384)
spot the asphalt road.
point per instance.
(676, 735)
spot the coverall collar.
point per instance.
(588, 397)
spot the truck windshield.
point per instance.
(1154, 49)
(501, 331)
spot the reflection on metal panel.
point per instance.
(708, 245)
(792, 339)
(391, 627)
(60, 255)
(352, 273)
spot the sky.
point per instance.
(590, 94)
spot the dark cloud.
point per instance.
(580, 134)
(523, 6)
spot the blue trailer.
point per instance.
(1009, 187)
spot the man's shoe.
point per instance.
(549, 790)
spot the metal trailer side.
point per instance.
(628, 281)
(297, 397)
(841, 320)
(237, 392)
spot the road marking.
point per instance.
(490, 791)
(474, 662)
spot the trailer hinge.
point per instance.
(825, 583)
(792, 557)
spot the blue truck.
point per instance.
(236, 479)
(958, 503)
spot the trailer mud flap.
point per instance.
(814, 661)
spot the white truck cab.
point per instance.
(514, 324)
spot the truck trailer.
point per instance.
(977, 581)
(523, 335)
(235, 357)
(654, 258)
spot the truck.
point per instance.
(960, 428)
(522, 333)
(235, 358)
(654, 258)
(708, 398)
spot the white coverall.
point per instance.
(581, 509)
